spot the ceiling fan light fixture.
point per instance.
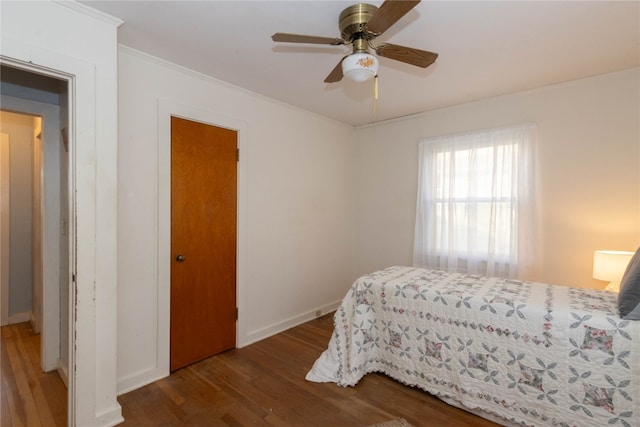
(359, 25)
(360, 67)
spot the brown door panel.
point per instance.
(203, 233)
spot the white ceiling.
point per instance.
(486, 48)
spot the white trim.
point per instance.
(289, 323)
(208, 79)
(89, 11)
(37, 224)
(140, 378)
(110, 417)
(4, 229)
(63, 371)
(166, 109)
(424, 114)
(19, 318)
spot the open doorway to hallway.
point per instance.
(34, 166)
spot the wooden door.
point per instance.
(203, 241)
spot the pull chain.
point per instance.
(375, 98)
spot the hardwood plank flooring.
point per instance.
(263, 385)
(259, 385)
(28, 396)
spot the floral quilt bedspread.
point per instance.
(530, 353)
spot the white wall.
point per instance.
(295, 209)
(20, 130)
(69, 41)
(589, 172)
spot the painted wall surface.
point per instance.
(588, 160)
(295, 209)
(20, 130)
(75, 42)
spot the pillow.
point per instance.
(629, 296)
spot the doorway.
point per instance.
(29, 94)
(21, 159)
(203, 241)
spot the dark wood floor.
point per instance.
(263, 385)
(259, 385)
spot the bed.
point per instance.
(521, 353)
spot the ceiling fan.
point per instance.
(359, 25)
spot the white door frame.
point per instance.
(4, 228)
(73, 42)
(49, 335)
(50, 221)
(166, 109)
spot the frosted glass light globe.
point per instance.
(360, 67)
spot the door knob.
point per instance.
(180, 258)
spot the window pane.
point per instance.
(467, 216)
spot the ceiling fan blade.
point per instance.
(336, 74)
(388, 14)
(300, 38)
(408, 55)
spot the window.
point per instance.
(475, 210)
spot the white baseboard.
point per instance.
(34, 325)
(110, 417)
(147, 376)
(140, 379)
(268, 331)
(19, 318)
(61, 367)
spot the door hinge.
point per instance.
(236, 313)
(237, 154)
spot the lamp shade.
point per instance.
(360, 67)
(610, 265)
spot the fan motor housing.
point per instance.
(353, 19)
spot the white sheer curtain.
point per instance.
(475, 210)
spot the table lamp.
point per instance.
(610, 266)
